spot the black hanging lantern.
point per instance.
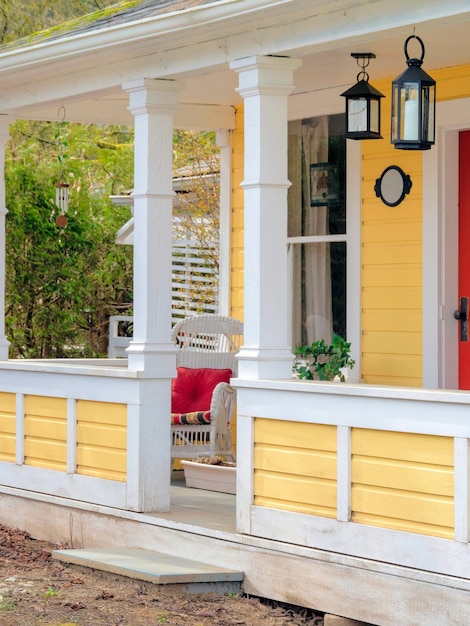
(362, 103)
(413, 105)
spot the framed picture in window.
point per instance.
(324, 184)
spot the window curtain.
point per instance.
(312, 309)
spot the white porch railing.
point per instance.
(95, 430)
(352, 410)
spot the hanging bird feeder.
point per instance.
(61, 188)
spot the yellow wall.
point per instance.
(403, 481)
(236, 269)
(7, 427)
(391, 261)
(101, 439)
(391, 255)
(295, 467)
(45, 432)
(237, 234)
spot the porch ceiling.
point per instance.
(86, 75)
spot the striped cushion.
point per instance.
(196, 417)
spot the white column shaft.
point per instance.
(265, 83)
(153, 103)
(4, 136)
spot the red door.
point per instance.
(464, 261)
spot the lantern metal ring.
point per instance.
(405, 47)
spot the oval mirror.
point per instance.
(392, 186)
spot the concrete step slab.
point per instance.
(157, 568)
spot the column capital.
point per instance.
(265, 75)
(148, 95)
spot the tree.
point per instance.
(197, 210)
(63, 284)
(197, 165)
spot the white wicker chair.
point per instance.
(210, 341)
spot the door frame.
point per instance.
(440, 246)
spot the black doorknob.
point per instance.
(462, 315)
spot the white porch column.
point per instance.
(153, 103)
(4, 136)
(265, 84)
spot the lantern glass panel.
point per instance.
(428, 100)
(409, 95)
(375, 116)
(357, 115)
(394, 129)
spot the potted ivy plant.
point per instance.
(322, 361)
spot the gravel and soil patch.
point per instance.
(36, 590)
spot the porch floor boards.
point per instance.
(207, 509)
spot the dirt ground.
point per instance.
(36, 590)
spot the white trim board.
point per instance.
(422, 552)
(440, 246)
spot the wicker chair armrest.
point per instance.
(222, 406)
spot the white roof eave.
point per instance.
(224, 17)
(126, 34)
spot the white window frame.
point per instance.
(312, 105)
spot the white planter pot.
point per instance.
(210, 477)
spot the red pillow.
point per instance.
(192, 388)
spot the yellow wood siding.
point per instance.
(7, 427)
(45, 432)
(102, 439)
(452, 82)
(391, 252)
(295, 467)
(403, 481)
(237, 258)
(391, 261)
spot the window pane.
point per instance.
(317, 207)
(322, 291)
(317, 196)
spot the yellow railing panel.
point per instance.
(295, 467)
(45, 432)
(403, 481)
(102, 439)
(7, 427)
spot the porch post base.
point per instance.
(265, 363)
(155, 359)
